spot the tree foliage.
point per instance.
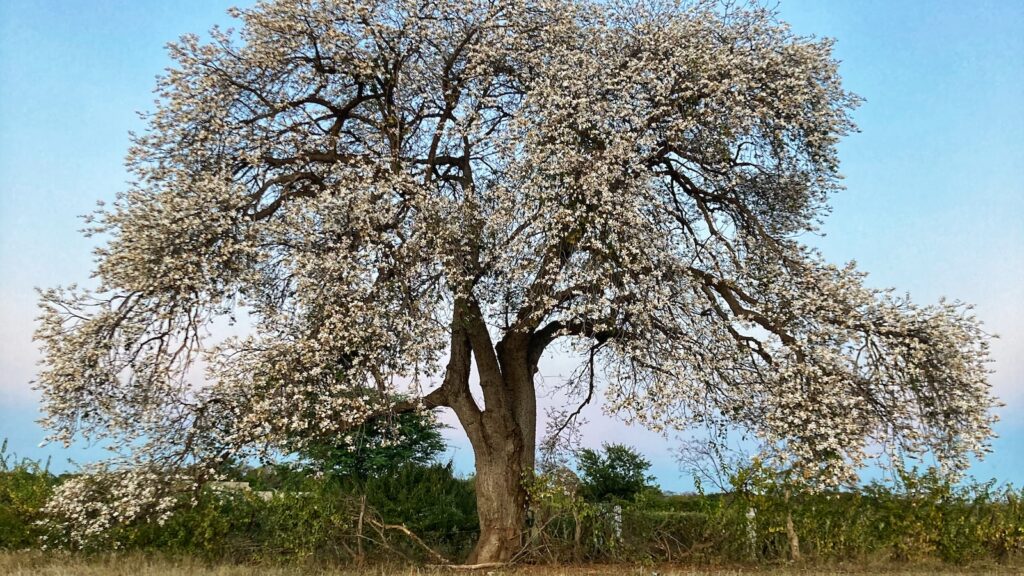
(616, 472)
(397, 192)
(381, 446)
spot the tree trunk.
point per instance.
(503, 433)
(505, 453)
(360, 558)
(791, 535)
(501, 505)
(577, 535)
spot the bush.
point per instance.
(314, 517)
(25, 485)
(431, 502)
(921, 517)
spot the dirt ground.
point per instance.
(55, 564)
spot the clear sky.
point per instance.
(935, 204)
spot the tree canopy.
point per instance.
(399, 193)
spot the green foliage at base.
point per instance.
(319, 517)
(921, 518)
(25, 486)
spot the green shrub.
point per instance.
(614, 473)
(315, 517)
(25, 485)
(431, 502)
(922, 517)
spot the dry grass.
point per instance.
(55, 564)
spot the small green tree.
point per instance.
(381, 446)
(620, 472)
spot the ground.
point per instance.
(53, 564)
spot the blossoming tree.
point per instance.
(402, 194)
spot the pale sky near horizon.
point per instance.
(934, 206)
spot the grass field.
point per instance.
(43, 564)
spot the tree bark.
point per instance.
(791, 535)
(503, 433)
(501, 505)
(504, 458)
(359, 529)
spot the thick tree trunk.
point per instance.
(505, 453)
(503, 433)
(501, 504)
(503, 459)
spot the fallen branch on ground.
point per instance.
(380, 526)
(469, 566)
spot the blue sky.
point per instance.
(935, 204)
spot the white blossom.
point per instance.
(382, 184)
